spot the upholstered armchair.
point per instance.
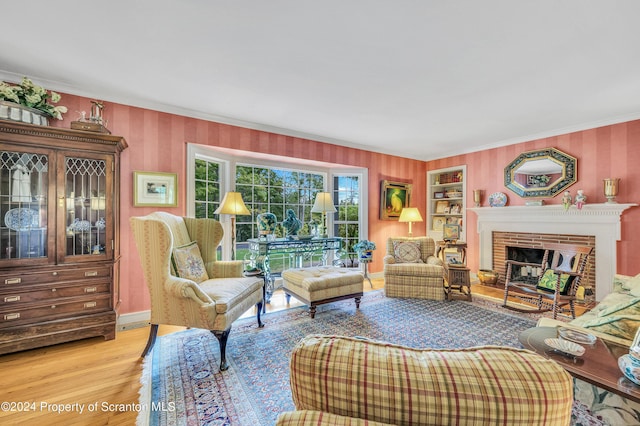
(344, 381)
(411, 269)
(201, 292)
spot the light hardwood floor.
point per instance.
(93, 374)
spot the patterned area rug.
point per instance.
(183, 385)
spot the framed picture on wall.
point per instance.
(155, 189)
(394, 196)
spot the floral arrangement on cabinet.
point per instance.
(33, 96)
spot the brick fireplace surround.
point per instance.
(600, 223)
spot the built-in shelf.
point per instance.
(446, 200)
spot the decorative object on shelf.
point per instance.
(21, 219)
(498, 199)
(267, 223)
(100, 223)
(438, 223)
(21, 184)
(323, 204)
(488, 277)
(611, 189)
(155, 189)
(410, 215)
(29, 103)
(291, 223)
(80, 225)
(566, 200)
(232, 204)
(477, 197)
(581, 199)
(364, 248)
(394, 197)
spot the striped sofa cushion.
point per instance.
(393, 384)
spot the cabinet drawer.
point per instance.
(55, 275)
(51, 292)
(66, 308)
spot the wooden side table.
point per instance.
(460, 246)
(457, 279)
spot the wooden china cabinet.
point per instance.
(59, 235)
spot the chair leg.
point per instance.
(222, 337)
(153, 333)
(259, 306)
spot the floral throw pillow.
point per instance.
(406, 252)
(188, 262)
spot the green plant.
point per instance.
(33, 96)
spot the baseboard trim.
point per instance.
(133, 320)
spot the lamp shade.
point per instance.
(323, 203)
(232, 204)
(410, 214)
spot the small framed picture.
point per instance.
(155, 189)
(442, 206)
(438, 195)
(450, 232)
(453, 258)
(438, 223)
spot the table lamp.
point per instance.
(410, 214)
(232, 204)
(324, 205)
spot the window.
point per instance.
(275, 186)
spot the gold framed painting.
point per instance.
(394, 196)
(155, 189)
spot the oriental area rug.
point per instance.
(182, 384)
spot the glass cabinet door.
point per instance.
(86, 198)
(24, 183)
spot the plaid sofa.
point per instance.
(348, 381)
(423, 280)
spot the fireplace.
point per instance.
(595, 224)
(528, 247)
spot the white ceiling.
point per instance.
(423, 79)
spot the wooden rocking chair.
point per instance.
(556, 286)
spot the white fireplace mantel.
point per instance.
(600, 220)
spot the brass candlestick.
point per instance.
(477, 197)
(611, 189)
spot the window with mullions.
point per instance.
(274, 190)
(207, 188)
(346, 196)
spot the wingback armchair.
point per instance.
(213, 304)
(411, 269)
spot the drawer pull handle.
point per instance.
(53, 306)
(55, 274)
(91, 274)
(54, 290)
(13, 281)
(11, 316)
(90, 289)
(12, 299)
(90, 304)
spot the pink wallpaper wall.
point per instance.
(157, 142)
(609, 151)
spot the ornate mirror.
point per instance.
(542, 173)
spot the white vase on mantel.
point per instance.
(16, 112)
